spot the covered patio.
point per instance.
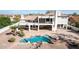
(40, 21)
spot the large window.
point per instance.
(45, 20)
(48, 20)
(42, 20)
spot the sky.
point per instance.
(70, 11)
(34, 11)
(21, 11)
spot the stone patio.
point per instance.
(4, 44)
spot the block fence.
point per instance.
(7, 28)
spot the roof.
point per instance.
(34, 16)
(30, 17)
(74, 18)
(63, 16)
(49, 13)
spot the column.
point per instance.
(45, 20)
(38, 24)
(52, 28)
(66, 27)
(60, 26)
(38, 27)
(56, 18)
(29, 27)
(52, 23)
(63, 25)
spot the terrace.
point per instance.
(59, 44)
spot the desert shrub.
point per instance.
(21, 27)
(77, 24)
(21, 34)
(17, 18)
(13, 27)
(4, 21)
(12, 39)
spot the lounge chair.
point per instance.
(38, 45)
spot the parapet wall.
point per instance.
(7, 28)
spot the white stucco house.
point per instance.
(56, 20)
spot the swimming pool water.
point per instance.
(36, 39)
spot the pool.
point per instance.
(36, 39)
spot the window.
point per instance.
(47, 19)
(64, 17)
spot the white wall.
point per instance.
(61, 20)
(7, 28)
(74, 28)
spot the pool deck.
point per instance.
(4, 44)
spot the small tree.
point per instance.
(4, 21)
(74, 14)
(77, 24)
(13, 30)
(21, 34)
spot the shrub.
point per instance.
(17, 18)
(77, 24)
(12, 39)
(21, 34)
(21, 27)
(13, 22)
(13, 28)
(4, 21)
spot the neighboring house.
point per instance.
(15, 17)
(12, 17)
(55, 20)
(73, 19)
